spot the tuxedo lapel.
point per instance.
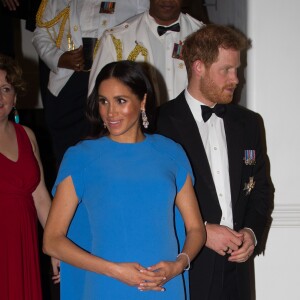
(190, 138)
(234, 139)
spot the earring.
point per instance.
(145, 119)
(104, 125)
(16, 115)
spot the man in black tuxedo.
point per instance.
(225, 148)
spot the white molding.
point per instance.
(286, 216)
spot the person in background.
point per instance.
(224, 144)
(154, 37)
(197, 9)
(65, 39)
(24, 198)
(128, 181)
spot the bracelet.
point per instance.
(188, 259)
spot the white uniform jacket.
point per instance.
(135, 40)
(45, 44)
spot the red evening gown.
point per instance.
(19, 257)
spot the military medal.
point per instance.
(249, 186)
(249, 157)
(177, 50)
(107, 7)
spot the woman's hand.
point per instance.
(56, 270)
(164, 269)
(134, 274)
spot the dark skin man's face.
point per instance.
(165, 12)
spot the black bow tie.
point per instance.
(218, 109)
(162, 29)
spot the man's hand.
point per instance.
(222, 239)
(73, 60)
(247, 248)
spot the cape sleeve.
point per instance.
(72, 165)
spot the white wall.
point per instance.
(273, 91)
(233, 13)
(272, 79)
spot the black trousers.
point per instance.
(65, 114)
(224, 283)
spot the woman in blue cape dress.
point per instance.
(124, 216)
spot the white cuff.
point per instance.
(255, 240)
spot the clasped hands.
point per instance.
(145, 279)
(223, 240)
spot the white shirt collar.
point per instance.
(153, 24)
(195, 106)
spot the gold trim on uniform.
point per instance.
(138, 49)
(181, 65)
(96, 48)
(118, 47)
(62, 16)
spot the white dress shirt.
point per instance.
(213, 137)
(164, 62)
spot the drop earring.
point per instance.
(144, 119)
(16, 115)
